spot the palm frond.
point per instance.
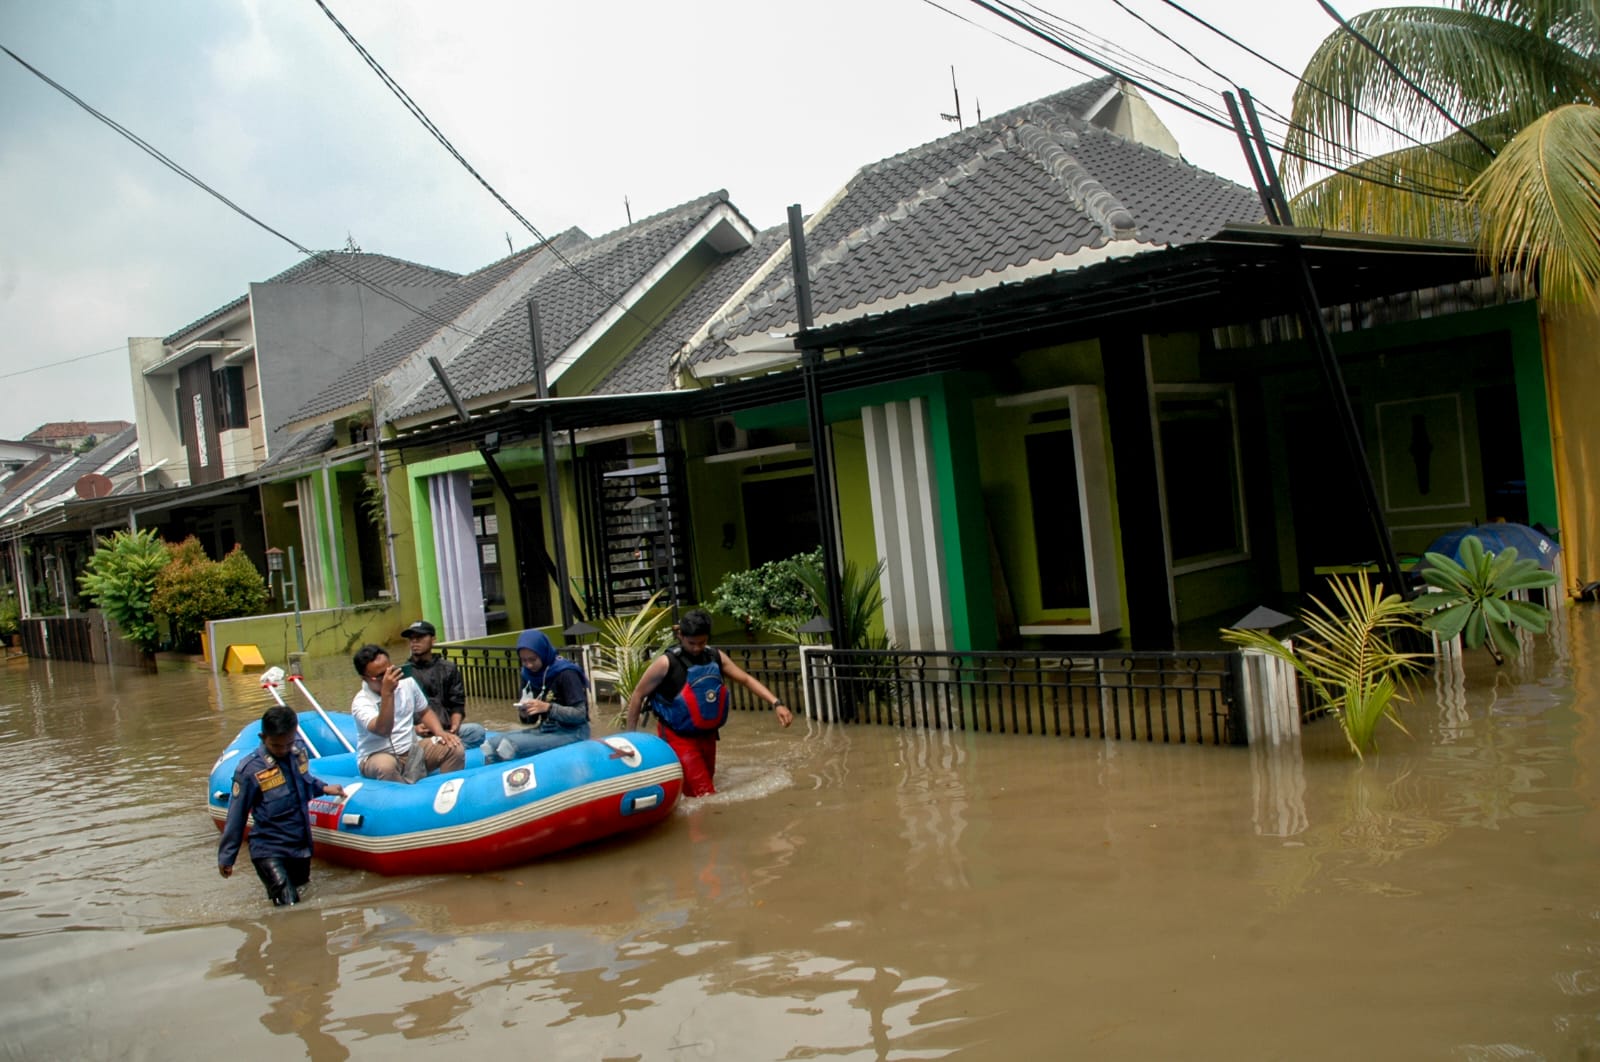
(1540, 201)
(1473, 64)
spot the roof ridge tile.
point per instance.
(1045, 139)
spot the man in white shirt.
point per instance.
(399, 739)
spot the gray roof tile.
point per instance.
(309, 443)
(1029, 185)
(353, 385)
(649, 366)
(499, 360)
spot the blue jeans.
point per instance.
(471, 734)
(519, 743)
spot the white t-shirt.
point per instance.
(409, 702)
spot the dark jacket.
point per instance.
(274, 792)
(558, 681)
(440, 679)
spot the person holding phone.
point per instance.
(398, 737)
(555, 700)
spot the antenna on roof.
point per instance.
(509, 248)
(350, 245)
(956, 117)
(629, 208)
(979, 105)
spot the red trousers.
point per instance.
(698, 754)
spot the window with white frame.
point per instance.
(1201, 483)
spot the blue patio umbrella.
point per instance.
(1528, 541)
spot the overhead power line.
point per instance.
(1394, 68)
(1402, 133)
(63, 361)
(428, 124)
(165, 160)
(1042, 28)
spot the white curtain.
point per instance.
(455, 556)
(316, 591)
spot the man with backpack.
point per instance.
(687, 690)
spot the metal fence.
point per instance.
(1177, 698)
(493, 671)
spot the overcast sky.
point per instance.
(568, 109)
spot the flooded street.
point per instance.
(860, 893)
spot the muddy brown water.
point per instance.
(859, 893)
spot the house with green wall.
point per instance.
(1069, 396)
(498, 541)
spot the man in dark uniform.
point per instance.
(441, 681)
(273, 784)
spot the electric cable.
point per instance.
(1300, 81)
(427, 123)
(63, 361)
(1203, 112)
(178, 169)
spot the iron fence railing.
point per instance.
(493, 671)
(1178, 698)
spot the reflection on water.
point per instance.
(864, 892)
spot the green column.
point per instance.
(1533, 414)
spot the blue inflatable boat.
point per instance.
(480, 818)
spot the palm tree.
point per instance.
(1520, 174)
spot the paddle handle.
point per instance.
(300, 684)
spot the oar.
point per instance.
(269, 682)
(300, 684)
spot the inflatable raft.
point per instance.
(480, 818)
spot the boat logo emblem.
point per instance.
(518, 780)
(624, 750)
(445, 798)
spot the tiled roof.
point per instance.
(1030, 185)
(74, 429)
(354, 384)
(57, 482)
(335, 267)
(309, 443)
(499, 359)
(649, 366)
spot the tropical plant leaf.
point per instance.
(1544, 190)
(1347, 656)
(1448, 622)
(1522, 178)
(1529, 616)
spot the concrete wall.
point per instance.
(307, 335)
(155, 412)
(330, 632)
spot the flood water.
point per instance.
(856, 893)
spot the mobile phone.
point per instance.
(405, 669)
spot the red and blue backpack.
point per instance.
(701, 703)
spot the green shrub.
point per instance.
(772, 597)
(120, 578)
(10, 615)
(193, 589)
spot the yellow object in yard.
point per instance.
(243, 658)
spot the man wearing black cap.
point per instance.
(439, 679)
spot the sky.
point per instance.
(576, 113)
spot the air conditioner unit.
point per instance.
(728, 437)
